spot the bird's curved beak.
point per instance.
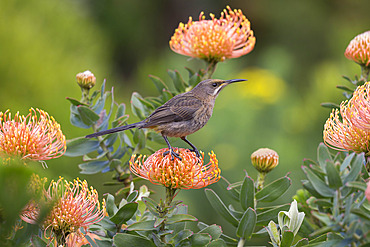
(234, 80)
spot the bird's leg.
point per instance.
(173, 153)
(195, 150)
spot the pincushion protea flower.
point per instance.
(189, 173)
(214, 40)
(265, 159)
(358, 49)
(340, 134)
(358, 109)
(32, 137)
(74, 205)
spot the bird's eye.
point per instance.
(214, 84)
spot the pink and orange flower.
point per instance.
(36, 136)
(188, 173)
(73, 206)
(214, 40)
(358, 49)
(348, 129)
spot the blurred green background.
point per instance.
(296, 64)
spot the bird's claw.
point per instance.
(173, 154)
(196, 152)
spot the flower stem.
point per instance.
(260, 180)
(85, 96)
(241, 242)
(210, 69)
(163, 209)
(365, 71)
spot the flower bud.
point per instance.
(265, 159)
(358, 49)
(86, 80)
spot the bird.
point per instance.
(182, 115)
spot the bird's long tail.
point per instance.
(114, 130)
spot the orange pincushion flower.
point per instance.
(358, 49)
(189, 173)
(215, 39)
(74, 205)
(358, 109)
(342, 135)
(32, 137)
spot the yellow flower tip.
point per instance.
(358, 50)
(265, 159)
(86, 80)
(216, 40)
(188, 173)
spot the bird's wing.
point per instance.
(179, 108)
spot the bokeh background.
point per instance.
(296, 64)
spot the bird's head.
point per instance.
(212, 87)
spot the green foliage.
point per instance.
(140, 223)
(334, 199)
(248, 217)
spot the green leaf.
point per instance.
(93, 167)
(320, 186)
(81, 146)
(301, 242)
(264, 217)
(334, 179)
(179, 218)
(347, 161)
(247, 193)
(37, 241)
(200, 239)
(361, 213)
(345, 88)
(225, 186)
(137, 107)
(217, 243)
(287, 239)
(237, 214)
(273, 190)
(139, 138)
(124, 213)
(220, 207)
(76, 102)
(214, 231)
(151, 205)
(110, 205)
(120, 111)
(357, 185)
(273, 232)
(247, 224)
(178, 82)
(124, 239)
(181, 235)
(329, 105)
(323, 155)
(308, 186)
(88, 116)
(159, 84)
(132, 196)
(356, 168)
(147, 225)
